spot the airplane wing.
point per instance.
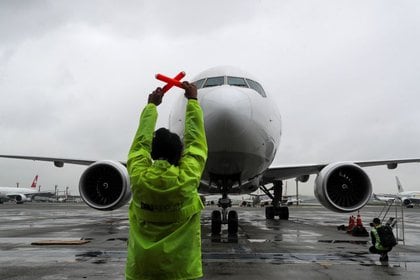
(340, 186)
(58, 162)
(384, 197)
(302, 171)
(271, 174)
(40, 194)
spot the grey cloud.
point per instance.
(74, 75)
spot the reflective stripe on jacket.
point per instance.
(377, 241)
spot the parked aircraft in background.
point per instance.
(20, 195)
(243, 129)
(264, 198)
(408, 198)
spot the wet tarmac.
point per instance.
(307, 246)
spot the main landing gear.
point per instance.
(275, 209)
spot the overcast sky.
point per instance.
(74, 76)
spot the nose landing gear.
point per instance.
(224, 217)
(231, 217)
(224, 184)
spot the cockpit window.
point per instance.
(235, 81)
(257, 87)
(199, 83)
(215, 81)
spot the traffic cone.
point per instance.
(352, 223)
(359, 220)
(359, 229)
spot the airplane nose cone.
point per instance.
(227, 112)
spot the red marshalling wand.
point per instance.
(171, 81)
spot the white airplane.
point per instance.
(408, 198)
(243, 128)
(20, 195)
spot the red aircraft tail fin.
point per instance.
(34, 182)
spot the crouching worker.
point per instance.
(378, 247)
(164, 214)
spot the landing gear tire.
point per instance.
(216, 222)
(233, 223)
(284, 213)
(269, 212)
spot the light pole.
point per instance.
(56, 192)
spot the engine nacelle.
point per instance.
(105, 185)
(406, 202)
(343, 187)
(21, 198)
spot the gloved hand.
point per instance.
(190, 90)
(156, 96)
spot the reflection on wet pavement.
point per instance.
(309, 238)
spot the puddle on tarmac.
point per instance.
(222, 238)
(125, 239)
(258, 240)
(345, 241)
(100, 257)
(29, 240)
(97, 257)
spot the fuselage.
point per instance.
(243, 129)
(413, 195)
(5, 192)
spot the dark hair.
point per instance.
(376, 221)
(166, 145)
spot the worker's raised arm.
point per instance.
(139, 154)
(195, 144)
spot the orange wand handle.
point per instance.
(170, 82)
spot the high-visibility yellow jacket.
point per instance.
(165, 234)
(376, 240)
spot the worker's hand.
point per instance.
(156, 96)
(190, 90)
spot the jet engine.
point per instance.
(343, 187)
(21, 198)
(406, 202)
(105, 185)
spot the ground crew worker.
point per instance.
(164, 214)
(377, 247)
